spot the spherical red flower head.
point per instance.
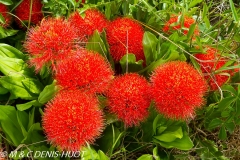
(72, 119)
(209, 63)
(87, 71)
(125, 35)
(23, 12)
(177, 89)
(128, 98)
(6, 16)
(51, 41)
(93, 20)
(187, 22)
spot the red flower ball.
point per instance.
(177, 89)
(23, 12)
(125, 35)
(72, 119)
(209, 63)
(93, 20)
(51, 41)
(187, 22)
(128, 98)
(6, 16)
(87, 71)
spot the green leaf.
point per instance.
(33, 134)
(10, 52)
(230, 89)
(155, 153)
(234, 12)
(214, 123)
(95, 43)
(2, 19)
(25, 106)
(11, 65)
(102, 156)
(225, 103)
(230, 127)
(22, 118)
(32, 85)
(48, 93)
(146, 157)
(184, 143)
(3, 90)
(222, 134)
(89, 153)
(6, 2)
(129, 64)
(191, 31)
(15, 86)
(149, 47)
(194, 3)
(170, 136)
(9, 124)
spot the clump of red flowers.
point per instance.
(125, 35)
(51, 41)
(6, 16)
(72, 119)
(128, 98)
(86, 70)
(177, 89)
(93, 20)
(174, 24)
(211, 62)
(24, 10)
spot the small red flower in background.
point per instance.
(23, 11)
(125, 35)
(128, 98)
(72, 119)
(6, 16)
(86, 70)
(187, 22)
(52, 40)
(177, 89)
(93, 20)
(209, 63)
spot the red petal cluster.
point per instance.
(187, 22)
(210, 62)
(23, 11)
(7, 17)
(177, 89)
(124, 36)
(87, 71)
(128, 98)
(72, 119)
(93, 20)
(50, 41)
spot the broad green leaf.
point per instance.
(95, 43)
(234, 12)
(32, 85)
(149, 47)
(89, 153)
(11, 65)
(222, 133)
(9, 124)
(214, 123)
(184, 143)
(129, 64)
(191, 31)
(3, 90)
(194, 3)
(15, 86)
(230, 89)
(169, 136)
(2, 19)
(225, 103)
(22, 118)
(161, 129)
(48, 93)
(6, 2)
(230, 127)
(33, 134)
(25, 106)
(146, 157)
(102, 156)
(10, 52)
(155, 153)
